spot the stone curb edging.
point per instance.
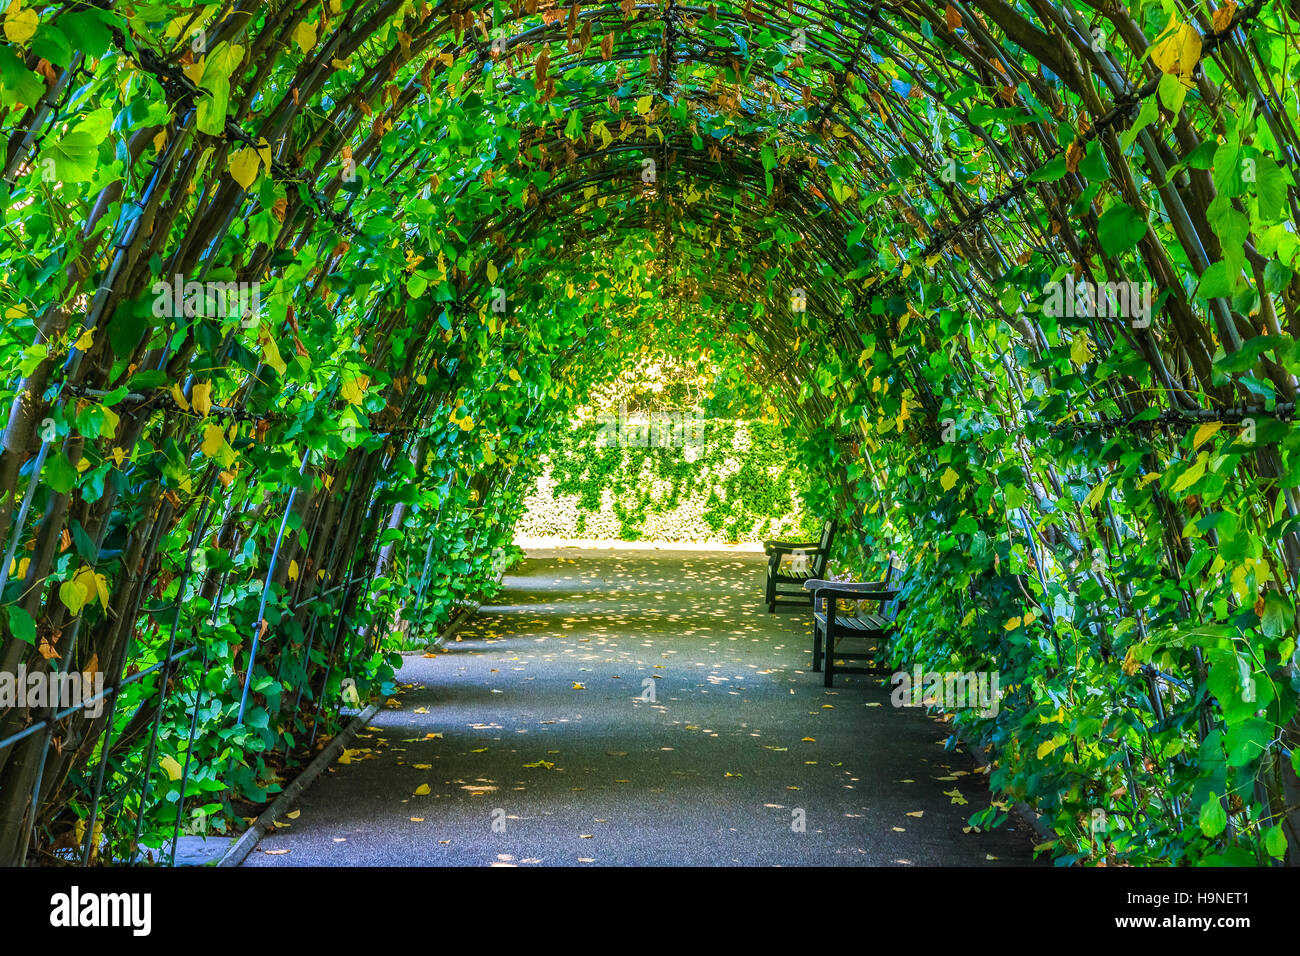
(1023, 810)
(244, 844)
(455, 624)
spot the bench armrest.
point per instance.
(854, 590)
(785, 547)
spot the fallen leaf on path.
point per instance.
(422, 790)
(916, 813)
(541, 763)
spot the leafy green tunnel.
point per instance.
(297, 294)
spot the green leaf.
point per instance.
(1271, 188)
(73, 158)
(220, 64)
(1275, 842)
(1248, 740)
(1277, 615)
(1214, 819)
(1218, 281)
(1228, 170)
(21, 625)
(60, 474)
(1120, 228)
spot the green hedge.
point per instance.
(740, 484)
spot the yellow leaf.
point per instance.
(92, 585)
(514, 375)
(293, 570)
(1148, 478)
(970, 616)
(1204, 433)
(1046, 747)
(270, 350)
(354, 390)
(1012, 624)
(172, 766)
(948, 479)
(213, 439)
(1095, 495)
(201, 396)
(305, 35)
(1179, 51)
(492, 271)
(1192, 475)
(264, 152)
(578, 686)
(916, 813)
(1081, 349)
(85, 340)
(179, 397)
(20, 24)
(643, 104)
(243, 166)
(421, 790)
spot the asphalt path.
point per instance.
(626, 708)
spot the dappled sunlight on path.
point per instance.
(638, 707)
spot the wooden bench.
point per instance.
(791, 584)
(831, 626)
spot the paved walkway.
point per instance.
(532, 740)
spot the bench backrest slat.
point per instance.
(824, 546)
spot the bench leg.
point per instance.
(829, 677)
(817, 647)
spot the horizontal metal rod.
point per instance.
(106, 692)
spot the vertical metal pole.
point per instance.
(266, 591)
(200, 526)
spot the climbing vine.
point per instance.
(297, 293)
